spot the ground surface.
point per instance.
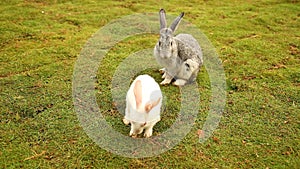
(257, 41)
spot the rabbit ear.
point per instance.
(162, 19)
(149, 106)
(176, 22)
(137, 90)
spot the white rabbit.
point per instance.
(143, 104)
(177, 53)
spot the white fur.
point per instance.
(138, 117)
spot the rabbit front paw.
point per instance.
(132, 134)
(162, 70)
(125, 121)
(164, 75)
(166, 81)
(148, 132)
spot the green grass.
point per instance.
(258, 42)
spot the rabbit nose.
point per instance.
(165, 54)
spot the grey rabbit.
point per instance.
(181, 55)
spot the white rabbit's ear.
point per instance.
(137, 90)
(162, 19)
(176, 22)
(149, 106)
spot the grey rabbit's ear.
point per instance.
(176, 22)
(162, 19)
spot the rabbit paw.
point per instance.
(164, 75)
(148, 133)
(125, 121)
(133, 135)
(166, 81)
(179, 82)
(162, 70)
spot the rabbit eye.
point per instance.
(187, 66)
(171, 43)
(159, 43)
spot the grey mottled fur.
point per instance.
(181, 56)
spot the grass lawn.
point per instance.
(257, 41)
